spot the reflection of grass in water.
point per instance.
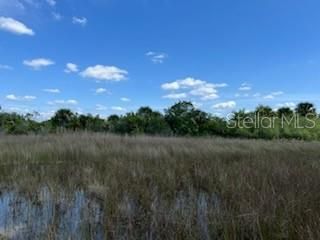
(43, 215)
(173, 188)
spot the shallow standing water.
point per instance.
(79, 215)
(44, 215)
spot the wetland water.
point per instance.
(42, 215)
(79, 214)
(70, 201)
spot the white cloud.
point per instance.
(245, 87)
(175, 96)
(190, 82)
(100, 107)
(100, 90)
(72, 102)
(182, 84)
(157, 57)
(6, 67)
(71, 67)
(277, 93)
(198, 88)
(245, 95)
(63, 102)
(29, 98)
(225, 105)
(197, 104)
(273, 95)
(205, 91)
(38, 63)
(14, 26)
(119, 109)
(106, 73)
(170, 86)
(124, 99)
(80, 21)
(51, 90)
(13, 97)
(220, 85)
(46, 115)
(291, 105)
(51, 2)
(209, 97)
(269, 96)
(56, 16)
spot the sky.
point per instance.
(114, 56)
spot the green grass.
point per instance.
(174, 188)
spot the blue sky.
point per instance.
(113, 56)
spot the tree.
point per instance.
(145, 112)
(264, 111)
(216, 126)
(113, 122)
(13, 123)
(284, 111)
(184, 119)
(305, 108)
(92, 123)
(64, 118)
(129, 124)
(239, 115)
(152, 122)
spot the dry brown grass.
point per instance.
(174, 188)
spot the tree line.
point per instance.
(181, 119)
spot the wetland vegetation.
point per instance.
(100, 186)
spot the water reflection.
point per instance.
(53, 216)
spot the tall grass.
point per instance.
(171, 188)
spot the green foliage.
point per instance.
(284, 111)
(305, 108)
(13, 123)
(64, 119)
(91, 123)
(184, 119)
(152, 122)
(181, 119)
(264, 111)
(216, 126)
(144, 121)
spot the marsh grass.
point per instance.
(163, 188)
